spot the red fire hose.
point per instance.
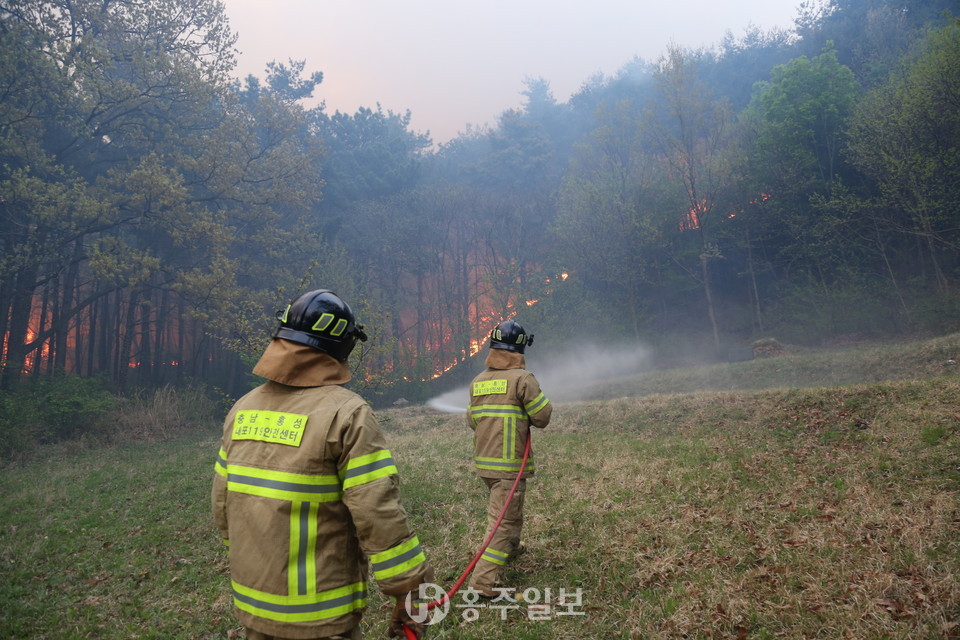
(473, 563)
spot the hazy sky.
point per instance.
(453, 63)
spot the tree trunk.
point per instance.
(106, 328)
(755, 290)
(20, 307)
(62, 312)
(181, 338)
(893, 278)
(41, 362)
(708, 292)
(159, 341)
(125, 346)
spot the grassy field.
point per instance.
(801, 510)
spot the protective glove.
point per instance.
(401, 617)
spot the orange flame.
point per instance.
(691, 220)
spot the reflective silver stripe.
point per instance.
(304, 539)
(367, 468)
(494, 556)
(282, 485)
(400, 559)
(509, 437)
(537, 404)
(308, 607)
(495, 411)
(221, 465)
(495, 463)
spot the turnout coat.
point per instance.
(505, 400)
(306, 496)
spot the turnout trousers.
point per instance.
(489, 571)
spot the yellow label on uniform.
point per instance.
(488, 387)
(269, 426)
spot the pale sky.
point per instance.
(454, 63)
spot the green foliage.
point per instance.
(68, 408)
(136, 173)
(287, 82)
(372, 154)
(869, 35)
(150, 198)
(607, 227)
(932, 310)
(51, 409)
(906, 137)
(809, 313)
(803, 110)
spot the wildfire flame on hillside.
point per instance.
(691, 219)
(77, 343)
(488, 317)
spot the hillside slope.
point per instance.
(804, 510)
(799, 367)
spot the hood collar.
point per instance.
(298, 365)
(503, 359)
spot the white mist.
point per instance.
(566, 377)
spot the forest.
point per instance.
(156, 212)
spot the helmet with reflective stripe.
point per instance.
(322, 320)
(510, 335)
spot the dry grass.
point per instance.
(827, 513)
(801, 367)
(160, 414)
(786, 513)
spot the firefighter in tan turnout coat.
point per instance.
(505, 400)
(306, 491)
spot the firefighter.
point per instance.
(505, 400)
(306, 492)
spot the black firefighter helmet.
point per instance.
(322, 320)
(510, 335)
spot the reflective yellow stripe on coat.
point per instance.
(280, 485)
(300, 608)
(364, 469)
(509, 413)
(305, 492)
(302, 563)
(400, 558)
(536, 404)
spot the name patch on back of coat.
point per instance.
(269, 426)
(489, 387)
